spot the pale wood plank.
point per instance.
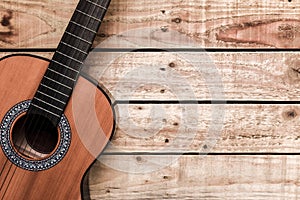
(199, 23)
(196, 177)
(36, 24)
(201, 128)
(192, 76)
(200, 75)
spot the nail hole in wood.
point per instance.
(140, 108)
(165, 177)
(172, 65)
(291, 114)
(162, 91)
(205, 146)
(167, 140)
(164, 28)
(6, 18)
(139, 159)
(290, 0)
(177, 20)
(163, 11)
(175, 124)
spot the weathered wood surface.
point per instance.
(208, 23)
(160, 128)
(187, 128)
(194, 177)
(193, 76)
(198, 76)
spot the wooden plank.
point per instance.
(36, 24)
(194, 177)
(176, 23)
(195, 76)
(169, 128)
(200, 75)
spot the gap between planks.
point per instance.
(191, 128)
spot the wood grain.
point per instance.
(197, 177)
(202, 128)
(160, 128)
(193, 76)
(201, 23)
(197, 76)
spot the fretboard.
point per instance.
(60, 78)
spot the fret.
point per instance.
(44, 94)
(63, 65)
(99, 6)
(56, 115)
(74, 48)
(40, 100)
(59, 80)
(78, 61)
(58, 83)
(86, 28)
(90, 16)
(54, 90)
(78, 38)
(61, 74)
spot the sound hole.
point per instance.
(34, 136)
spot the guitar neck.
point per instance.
(80, 33)
(59, 80)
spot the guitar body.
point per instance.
(91, 120)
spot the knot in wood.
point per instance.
(290, 114)
(6, 18)
(172, 65)
(177, 20)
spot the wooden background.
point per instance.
(252, 45)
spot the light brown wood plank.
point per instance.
(36, 24)
(203, 128)
(200, 23)
(197, 177)
(195, 76)
(200, 75)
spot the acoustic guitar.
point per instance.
(54, 119)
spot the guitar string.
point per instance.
(23, 152)
(73, 52)
(15, 167)
(65, 70)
